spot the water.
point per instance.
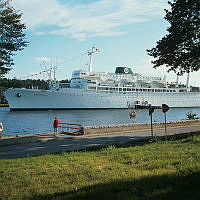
(32, 122)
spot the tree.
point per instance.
(12, 38)
(179, 50)
(191, 116)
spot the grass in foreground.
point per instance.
(160, 170)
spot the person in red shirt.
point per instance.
(55, 126)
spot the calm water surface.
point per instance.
(31, 122)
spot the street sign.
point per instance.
(165, 108)
(151, 110)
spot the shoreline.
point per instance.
(98, 131)
(48, 143)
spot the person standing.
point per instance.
(1, 130)
(55, 125)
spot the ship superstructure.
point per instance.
(100, 90)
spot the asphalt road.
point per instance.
(54, 144)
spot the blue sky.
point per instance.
(59, 30)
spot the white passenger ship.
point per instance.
(99, 90)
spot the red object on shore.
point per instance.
(55, 123)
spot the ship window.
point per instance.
(182, 90)
(120, 89)
(91, 87)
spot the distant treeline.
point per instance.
(28, 83)
(16, 83)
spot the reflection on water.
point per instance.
(31, 122)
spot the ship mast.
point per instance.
(177, 78)
(90, 54)
(187, 81)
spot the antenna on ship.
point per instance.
(54, 71)
(90, 54)
(48, 72)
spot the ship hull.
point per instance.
(69, 98)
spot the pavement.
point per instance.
(39, 144)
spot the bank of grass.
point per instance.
(145, 170)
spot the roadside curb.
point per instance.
(25, 139)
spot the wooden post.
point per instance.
(151, 126)
(165, 124)
(151, 110)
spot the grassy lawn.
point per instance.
(152, 170)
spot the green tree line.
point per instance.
(16, 83)
(28, 83)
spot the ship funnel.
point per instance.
(123, 70)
